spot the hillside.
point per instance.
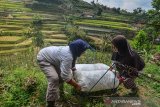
(17, 16)
(60, 21)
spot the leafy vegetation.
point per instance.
(21, 88)
(57, 23)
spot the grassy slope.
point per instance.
(23, 84)
(105, 24)
(29, 88)
(18, 23)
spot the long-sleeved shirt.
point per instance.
(59, 56)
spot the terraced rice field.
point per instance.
(105, 24)
(56, 36)
(20, 18)
(10, 6)
(95, 30)
(10, 39)
(12, 51)
(11, 27)
(17, 23)
(116, 17)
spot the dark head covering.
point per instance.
(77, 47)
(120, 42)
(125, 54)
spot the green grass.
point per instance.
(12, 32)
(22, 87)
(12, 51)
(55, 28)
(24, 17)
(14, 23)
(13, 6)
(17, 82)
(57, 36)
(49, 26)
(5, 20)
(23, 84)
(9, 46)
(47, 32)
(10, 27)
(118, 17)
(11, 39)
(158, 48)
(105, 24)
(152, 69)
(24, 44)
(15, 9)
(59, 41)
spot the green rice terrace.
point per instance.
(26, 26)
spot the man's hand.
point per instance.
(74, 69)
(74, 84)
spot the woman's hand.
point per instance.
(78, 88)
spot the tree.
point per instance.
(154, 15)
(140, 15)
(118, 10)
(99, 12)
(141, 41)
(37, 35)
(152, 34)
(124, 11)
(93, 3)
(4, 12)
(138, 11)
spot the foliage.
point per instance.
(152, 68)
(22, 87)
(34, 31)
(154, 15)
(144, 42)
(141, 41)
(152, 34)
(74, 32)
(99, 12)
(140, 15)
(4, 12)
(158, 48)
(22, 83)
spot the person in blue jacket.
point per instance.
(57, 63)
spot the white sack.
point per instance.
(89, 67)
(86, 77)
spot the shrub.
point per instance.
(34, 31)
(23, 87)
(141, 41)
(74, 32)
